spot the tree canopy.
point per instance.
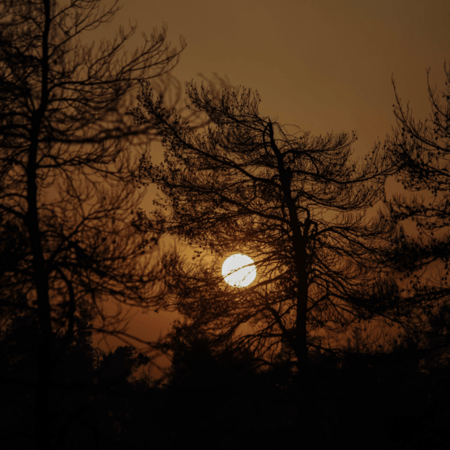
(297, 204)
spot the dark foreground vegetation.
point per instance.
(221, 398)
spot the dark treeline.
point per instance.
(343, 339)
(220, 397)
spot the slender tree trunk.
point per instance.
(43, 306)
(41, 282)
(300, 325)
(309, 414)
(299, 240)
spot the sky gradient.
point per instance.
(322, 65)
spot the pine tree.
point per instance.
(297, 204)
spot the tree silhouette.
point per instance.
(66, 188)
(295, 203)
(421, 151)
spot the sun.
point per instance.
(239, 270)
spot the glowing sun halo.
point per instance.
(239, 270)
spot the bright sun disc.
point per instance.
(239, 270)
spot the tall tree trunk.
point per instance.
(41, 281)
(305, 398)
(43, 305)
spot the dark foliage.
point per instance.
(68, 245)
(94, 397)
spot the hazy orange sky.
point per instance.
(323, 65)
